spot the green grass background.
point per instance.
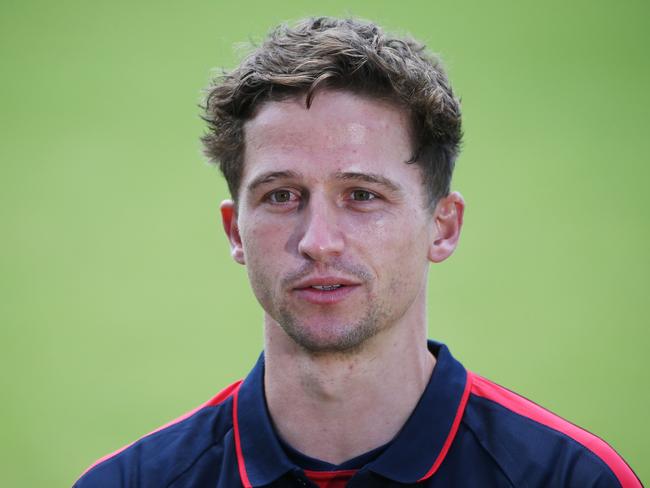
(120, 308)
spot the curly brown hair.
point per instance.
(345, 54)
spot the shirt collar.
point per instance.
(420, 447)
(414, 454)
(259, 453)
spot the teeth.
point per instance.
(326, 287)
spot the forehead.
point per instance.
(341, 131)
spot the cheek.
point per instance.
(260, 255)
(265, 244)
(390, 239)
(260, 241)
(397, 251)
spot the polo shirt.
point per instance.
(465, 431)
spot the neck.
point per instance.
(334, 407)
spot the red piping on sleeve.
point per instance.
(524, 407)
(217, 399)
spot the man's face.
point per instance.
(332, 222)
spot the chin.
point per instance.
(329, 338)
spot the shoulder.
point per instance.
(535, 446)
(157, 458)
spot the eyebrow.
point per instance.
(269, 176)
(370, 178)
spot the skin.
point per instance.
(327, 197)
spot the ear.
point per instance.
(230, 226)
(448, 220)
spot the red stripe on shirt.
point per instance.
(217, 399)
(484, 388)
(454, 428)
(240, 455)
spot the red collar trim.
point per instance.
(454, 427)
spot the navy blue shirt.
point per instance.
(464, 432)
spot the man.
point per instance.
(338, 144)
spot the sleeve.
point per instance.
(113, 472)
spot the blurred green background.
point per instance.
(121, 309)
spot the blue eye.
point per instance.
(362, 195)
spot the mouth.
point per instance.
(325, 291)
(326, 287)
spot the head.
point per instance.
(337, 143)
(342, 54)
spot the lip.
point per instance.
(324, 281)
(322, 297)
(304, 291)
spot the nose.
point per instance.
(322, 238)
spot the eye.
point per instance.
(281, 196)
(362, 195)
